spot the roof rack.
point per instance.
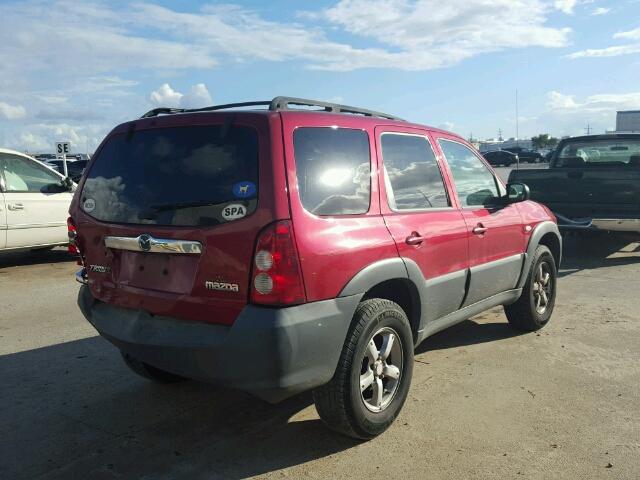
(277, 104)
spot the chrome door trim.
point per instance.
(148, 244)
(21, 226)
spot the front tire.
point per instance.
(148, 371)
(533, 309)
(374, 372)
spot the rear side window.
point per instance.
(412, 174)
(475, 184)
(183, 176)
(333, 169)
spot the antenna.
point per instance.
(517, 120)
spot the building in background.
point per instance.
(628, 121)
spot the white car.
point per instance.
(34, 203)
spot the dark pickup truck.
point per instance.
(592, 183)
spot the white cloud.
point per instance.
(103, 84)
(197, 97)
(629, 35)
(607, 52)
(447, 126)
(559, 101)
(12, 112)
(600, 11)
(165, 96)
(431, 34)
(570, 114)
(565, 6)
(86, 37)
(41, 137)
(613, 51)
(604, 102)
(420, 35)
(53, 99)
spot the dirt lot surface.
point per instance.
(485, 402)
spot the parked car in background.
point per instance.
(75, 168)
(44, 157)
(528, 156)
(548, 155)
(202, 263)
(500, 158)
(34, 203)
(593, 182)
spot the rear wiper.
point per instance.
(163, 207)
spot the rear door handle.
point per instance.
(15, 206)
(480, 229)
(414, 239)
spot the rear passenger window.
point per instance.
(333, 169)
(475, 184)
(413, 177)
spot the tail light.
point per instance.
(277, 277)
(73, 234)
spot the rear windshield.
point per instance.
(605, 152)
(184, 176)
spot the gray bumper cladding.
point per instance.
(272, 353)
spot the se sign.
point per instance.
(63, 148)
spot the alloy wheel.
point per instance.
(542, 288)
(381, 369)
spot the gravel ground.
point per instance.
(563, 403)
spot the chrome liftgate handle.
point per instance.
(146, 243)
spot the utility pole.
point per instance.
(517, 120)
(500, 134)
(587, 129)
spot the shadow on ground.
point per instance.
(35, 257)
(73, 410)
(467, 333)
(583, 252)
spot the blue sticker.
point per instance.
(244, 189)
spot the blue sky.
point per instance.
(71, 70)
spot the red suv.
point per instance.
(305, 245)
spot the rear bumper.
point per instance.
(272, 353)
(607, 224)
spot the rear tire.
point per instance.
(373, 375)
(533, 309)
(148, 371)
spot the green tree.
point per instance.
(544, 140)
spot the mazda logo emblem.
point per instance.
(144, 242)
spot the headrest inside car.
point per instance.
(573, 162)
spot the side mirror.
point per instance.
(67, 183)
(517, 192)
